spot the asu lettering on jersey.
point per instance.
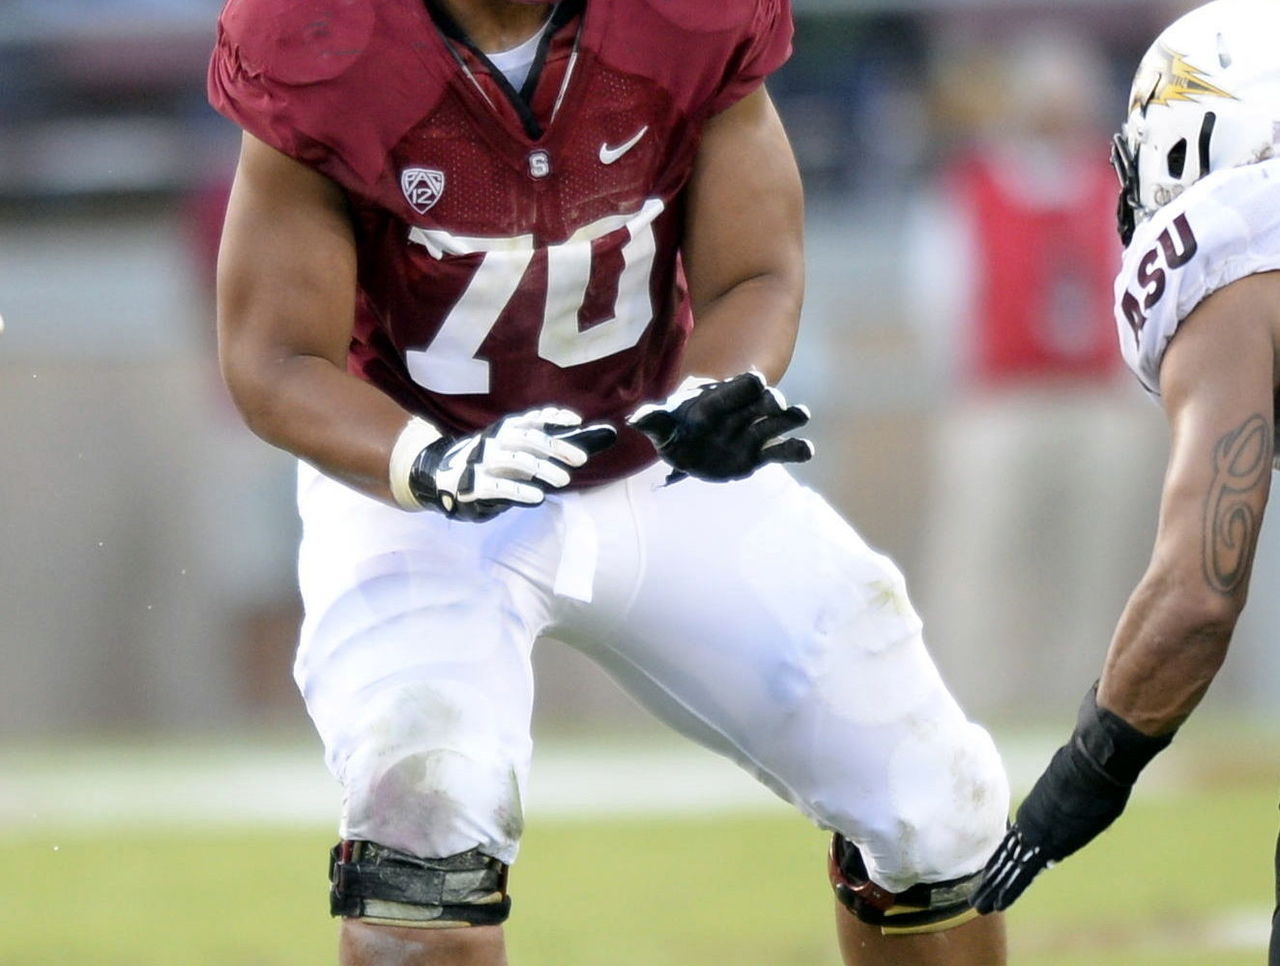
(515, 249)
(1151, 276)
(1221, 229)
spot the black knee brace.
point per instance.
(925, 907)
(369, 881)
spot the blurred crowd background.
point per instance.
(958, 352)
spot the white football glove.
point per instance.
(723, 430)
(512, 462)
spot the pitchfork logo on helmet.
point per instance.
(1206, 97)
(422, 187)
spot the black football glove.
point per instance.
(721, 430)
(512, 462)
(1084, 790)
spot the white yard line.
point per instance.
(256, 783)
(292, 787)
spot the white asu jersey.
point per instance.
(1221, 229)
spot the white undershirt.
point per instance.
(516, 62)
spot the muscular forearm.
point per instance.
(1174, 632)
(1169, 644)
(751, 326)
(311, 408)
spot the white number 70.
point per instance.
(450, 364)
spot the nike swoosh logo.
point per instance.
(608, 154)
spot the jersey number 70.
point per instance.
(450, 363)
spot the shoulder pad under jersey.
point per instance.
(298, 42)
(1219, 230)
(717, 52)
(744, 16)
(333, 83)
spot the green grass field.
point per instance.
(1183, 880)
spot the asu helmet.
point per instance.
(1206, 96)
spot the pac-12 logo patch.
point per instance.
(422, 187)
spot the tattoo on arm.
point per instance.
(1233, 505)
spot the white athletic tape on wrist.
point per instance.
(416, 436)
(690, 383)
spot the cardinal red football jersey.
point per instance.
(514, 250)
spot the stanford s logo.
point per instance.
(1151, 276)
(422, 187)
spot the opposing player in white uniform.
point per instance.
(1198, 315)
(490, 261)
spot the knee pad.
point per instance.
(925, 907)
(381, 885)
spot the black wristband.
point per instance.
(1118, 749)
(422, 481)
(1087, 783)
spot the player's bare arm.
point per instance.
(744, 246)
(286, 301)
(1196, 313)
(1218, 382)
(744, 261)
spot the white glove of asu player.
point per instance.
(723, 430)
(513, 462)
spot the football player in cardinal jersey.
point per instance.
(1198, 314)
(514, 281)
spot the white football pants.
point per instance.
(747, 615)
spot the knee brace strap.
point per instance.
(371, 882)
(925, 907)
